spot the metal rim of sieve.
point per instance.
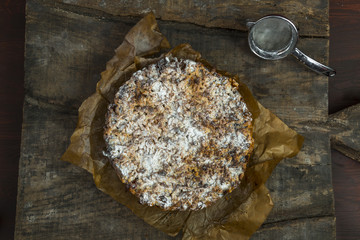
(273, 55)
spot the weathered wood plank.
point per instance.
(301, 186)
(67, 47)
(346, 139)
(286, 87)
(310, 16)
(57, 200)
(308, 228)
(65, 50)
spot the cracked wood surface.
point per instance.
(67, 47)
(310, 16)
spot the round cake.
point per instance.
(179, 135)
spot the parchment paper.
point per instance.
(235, 216)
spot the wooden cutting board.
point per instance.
(68, 43)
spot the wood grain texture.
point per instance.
(346, 140)
(346, 184)
(305, 228)
(344, 90)
(300, 186)
(61, 200)
(67, 47)
(310, 16)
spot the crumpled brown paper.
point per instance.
(235, 216)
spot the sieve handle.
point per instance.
(312, 64)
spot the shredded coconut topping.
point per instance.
(179, 135)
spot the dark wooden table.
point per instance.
(344, 91)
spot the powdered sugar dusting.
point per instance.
(179, 135)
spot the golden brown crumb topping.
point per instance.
(179, 135)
